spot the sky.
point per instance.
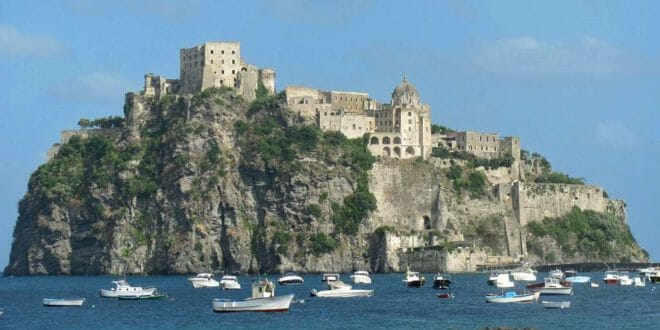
(577, 81)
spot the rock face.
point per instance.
(210, 182)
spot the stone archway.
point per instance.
(387, 152)
(397, 152)
(386, 140)
(374, 140)
(427, 222)
(410, 151)
(396, 140)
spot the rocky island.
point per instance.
(217, 171)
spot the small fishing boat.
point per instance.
(153, 296)
(504, 281)
(361, 277)
(441, 281)
(554, 286)
(557, 273)
(290, 279)
(122, 288)
(578, 279)
(346, 292)
(413, 279)
(512, 297)
(229, 282)
(624, 278)
(263, 300)
(59, 302)
(446, 295)
(334, 285)
(595, 285)
(611, 277)
(204, 280)
(556, 304)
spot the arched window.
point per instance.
(427, 222)
(386, 152)
(397, 152)
(396, 140)
(386, 140)
(410, 151)
(374, 140)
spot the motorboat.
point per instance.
(447, 295)
(492, 278)
(59, 302)
(639, 281)
(361, 277)
(624, 278)
(554, 286)
(556, 304)
(413, 279)
(441, 281)
(290, 279)
(204, 280)
(651, 274)
(346, 292)
(334, 285)
(512, 297)
(557, 273)
(578, 279)
(229, 282)
(570, 272)
(523, 274)
(122, 288)
(263, 299)
(330, 277)
(595, 285)
(611, 277)
(153, 296)
(504, 281)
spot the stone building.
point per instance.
(401, 129)
(484, 145)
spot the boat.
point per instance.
(334, 285)
(263, 299)
(153, 296)
(346, 292)
(611, 277)
(1, 311)
(492, 278)
(595, 285)
(578, 279)
(570, 272)
(523, 274)
(448, 295)
(441, 281)
(229, 282)
(59, 302)
(512, 297)
(639, 281)
(553, 286)
(624, 278)
(651, 274)
(204, 280)
(330, 277)
(557, 273)
(122, 288)
(361, 277)
(290, 279)
(413, 279)
(504, 281)
(556, 304)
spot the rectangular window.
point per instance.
(233, 71)
(211, 61)
(223, 71)
(222, 52)
(233, 52)
(233, 61)
(211, 51)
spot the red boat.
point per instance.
(446, 295)
(611, 277)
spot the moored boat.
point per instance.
(413, 279)
(330, 277)
(504, 281)
(441, 281)
(263, 299)
(512, 297)
(229, 282)
(553, 286)
(334, 285)
(59, 302)
(204, 280)
(556, 304)
(290, 279)
(153, 296)
(624, 278)
(492, 278)
(557, 273)
(578, 279)
(446, 295)
(639, 281)
(122, 288)
(523, 274)
(361, 277)
(346, 292)
(595, 285)
(570, 272)
(611, 277)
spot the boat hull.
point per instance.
(556, 304)
(556, 291)
(48, 302)
(578, 279)
(611, 281)
(116, 294)
(271, 304)
(361, 279)
(341, 293)
(516, 299)
(155, 296)
(523, 276)
(415, 283)
(197, 284)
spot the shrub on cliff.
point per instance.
(558, 177)
(321, 243)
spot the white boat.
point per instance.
(639, 281)
(341, 293)
(557, 273)
(229, 282)
(595, 285)
(611, 277)
(553, 286)
(413, 279)
(204, 280)
(122, 288)
(334, 285)
(290, 279)
(650, 274)
(624, 278)
(441, 281)
(263, 300)
(556, 304)
(504, 281)
(512, 297)
(578, 279)
(524, 274)
(361, 277)
(330, 277)
(492, 278)
(59, 302)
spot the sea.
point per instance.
(393, 306)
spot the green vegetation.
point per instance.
(107, 122)
(321, 243)
(471, 160)
(314, 210)
(438, 129)
(474, 182)
(380, 231)
(489, 232)
(590, 234)
(558, 177)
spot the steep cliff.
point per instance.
(212, 182)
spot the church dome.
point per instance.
(405, 94)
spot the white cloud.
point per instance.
(530, 57)
(616, 136)
(18, 44)
(98, 86)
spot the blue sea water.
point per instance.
(393, 306)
